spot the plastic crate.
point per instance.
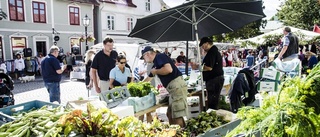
(222, 130)
(7, 112)
(123, 94)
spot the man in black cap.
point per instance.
(212, 72)
(171, 79)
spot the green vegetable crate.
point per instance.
(222, 130)
(7, 112)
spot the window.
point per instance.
(18, 44)
(74, 15)
(110, 22)
(16, 10)
(39, 12)
(130, 24)
(147, 5)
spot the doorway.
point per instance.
(41, 47)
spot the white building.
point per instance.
(117, 17)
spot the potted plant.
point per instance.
(91, 38)
(82, 38)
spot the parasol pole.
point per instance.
(187, 59)
(195, 24)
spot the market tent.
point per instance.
(180, 45)
(261, 40)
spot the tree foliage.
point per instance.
(301, 14)
(248, 31)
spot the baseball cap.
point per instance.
(146, 49)
(204, 40)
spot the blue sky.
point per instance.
(271, 6)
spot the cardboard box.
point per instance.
(229, 70)
(193, 100)
(227, 80)
(268, 86)
(270, 74)
(82, 104)
(142, 103)
(194, 111)
(123, 111)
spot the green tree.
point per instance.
(299, 13)
(248, 31)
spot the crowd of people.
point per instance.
(107, 68)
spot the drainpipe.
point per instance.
(52, 22)
(96, 17)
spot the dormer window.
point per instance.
(122, 2)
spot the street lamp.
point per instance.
(86, 23)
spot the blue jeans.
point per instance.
(54, 91)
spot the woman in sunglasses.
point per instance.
(120, 75)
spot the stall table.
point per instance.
(151, 109)
(155, 107)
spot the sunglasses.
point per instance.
(122, 62)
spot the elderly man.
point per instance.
(51, 73)
(172, 80)
(290, 47)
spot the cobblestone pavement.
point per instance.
(35, 90)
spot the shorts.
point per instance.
(104, 85)
(19, 72)
(178, 92)
(69, 67)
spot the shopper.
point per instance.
(19, 66)
(39, 60)
(103, 62)
(51, 73)
(229, 58)
(312, 59)
(3, 67)
(212, 72)
(88, 61)
(120, 75)
(69, 61)
(181, 58)
(172, 80)
(167, 52)
(142, 70)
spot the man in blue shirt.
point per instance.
(51, 73)
(171, 79)
(250, 59)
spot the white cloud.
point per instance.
(270, 10)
